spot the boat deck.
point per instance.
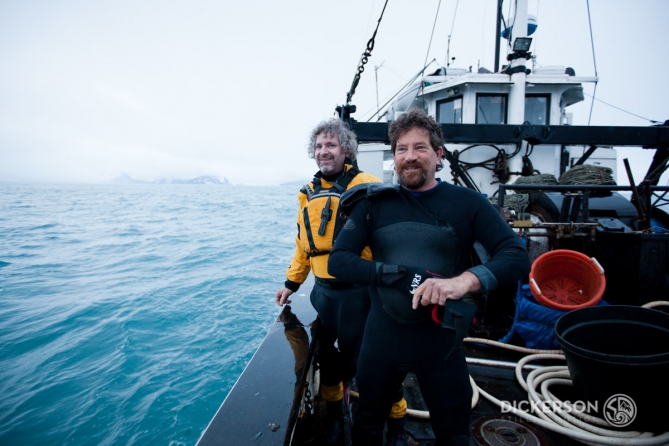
(262, 408)
(489, 425)
(258, 408)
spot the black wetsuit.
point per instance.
(434, 230)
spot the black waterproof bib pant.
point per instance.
(342, 313)
(388, 352)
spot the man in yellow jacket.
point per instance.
(342, 306)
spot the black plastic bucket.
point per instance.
(618, 353)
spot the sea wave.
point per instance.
(127, 312)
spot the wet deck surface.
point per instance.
(263, 396)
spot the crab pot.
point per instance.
(620, 350)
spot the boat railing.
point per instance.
(651, 136)
(576, 199)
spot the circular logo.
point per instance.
(620, 410)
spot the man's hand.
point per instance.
(437, 291)
(403, 278)
(282, 296)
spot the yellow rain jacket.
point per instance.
(316, 220)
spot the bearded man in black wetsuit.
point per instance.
(420, 233)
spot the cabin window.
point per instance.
(450, 111)
(536, 109)
(490, 109)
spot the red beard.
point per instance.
(412, 180)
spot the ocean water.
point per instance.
(127, 312)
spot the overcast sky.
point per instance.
(177, 89)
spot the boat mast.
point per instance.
(498, 32)
(517, 72)
(517, 67)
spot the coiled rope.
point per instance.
(517, 201)
(551, 412)
(556, 415)
(582, 174)
(588, 174)
(541, 178)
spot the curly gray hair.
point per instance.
(347, 139)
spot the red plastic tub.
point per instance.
(566, 280)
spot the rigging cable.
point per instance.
(625, 111)
(364, 58)
(369, 19)
(501, 3)
(660, 198)
(432, 35)
(499, 17)
(594, 61)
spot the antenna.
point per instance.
(448, 49)
(376, 75)
(448, 52)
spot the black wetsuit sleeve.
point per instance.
(508, 256)
(292, 286)
(345, 262)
